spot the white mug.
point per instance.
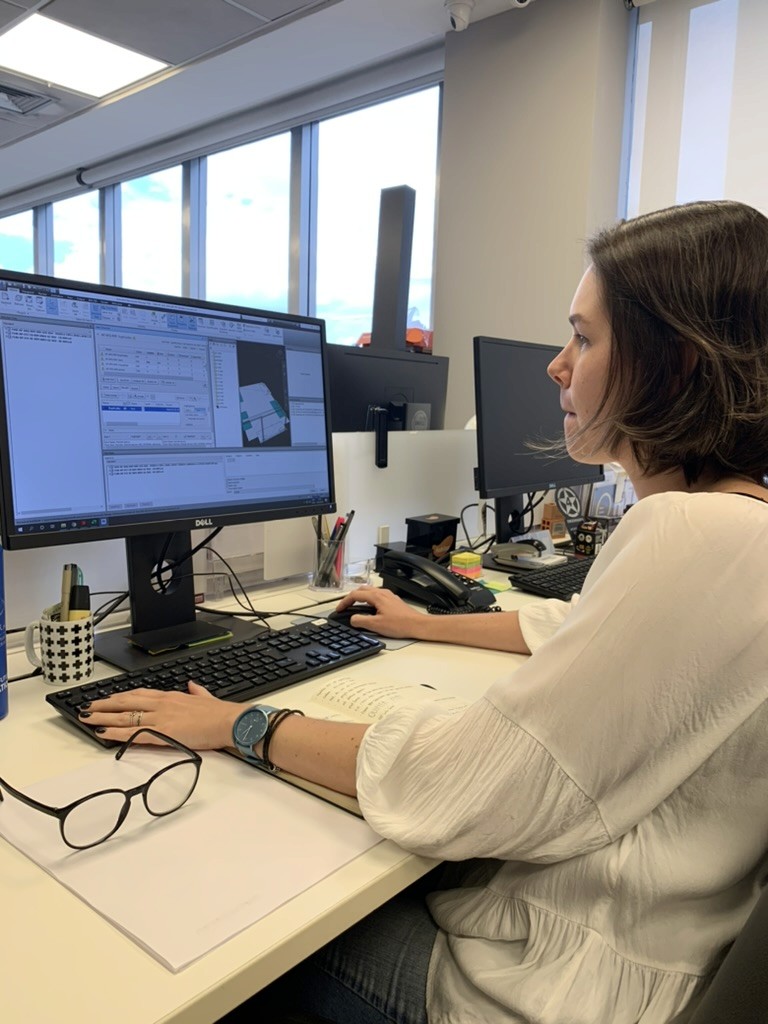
(66, 648)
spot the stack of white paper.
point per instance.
(183, 884)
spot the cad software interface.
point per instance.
(124, 409)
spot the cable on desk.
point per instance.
(109, 607)
(248, 609)
(472, 504)
(29, 675)
(161, 576)
(484, 545)
(481, 542)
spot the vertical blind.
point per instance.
(700, 91)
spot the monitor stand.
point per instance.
(509, 523)
(164, 618)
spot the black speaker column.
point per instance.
(393, 268)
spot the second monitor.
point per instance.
(383, 390)
(518, 406)
(410, 386)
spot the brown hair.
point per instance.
(686, 293)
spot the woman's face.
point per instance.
(581, 370)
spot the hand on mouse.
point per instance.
(393, 618)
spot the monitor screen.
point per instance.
(518, 404)
(411, 386)
(129, 414)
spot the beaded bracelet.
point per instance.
(274, 721)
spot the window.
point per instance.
(390, 144)
(76, 238)
(16, 247)
(700, 86)
(151, 230)
(246, 252)
(247, 224)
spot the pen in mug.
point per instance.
(324, 572)
(334, 548)
(318, 526)
(342, 537)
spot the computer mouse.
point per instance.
(346, 614)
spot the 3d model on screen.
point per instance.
(262, 415)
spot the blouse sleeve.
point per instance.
(471, 784)
(603, 721)
(542, 619)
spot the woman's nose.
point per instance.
(559, 370)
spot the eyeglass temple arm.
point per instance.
(160, 735)
(29, 801)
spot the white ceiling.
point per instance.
(226, 56)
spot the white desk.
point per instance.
(62, 961)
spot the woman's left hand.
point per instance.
(196, 718)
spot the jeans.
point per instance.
(374, 973)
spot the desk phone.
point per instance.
(417, 579)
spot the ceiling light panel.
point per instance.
(41, 48)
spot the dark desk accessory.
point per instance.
(432, 535)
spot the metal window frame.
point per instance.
(303, 205)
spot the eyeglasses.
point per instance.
(94, 818)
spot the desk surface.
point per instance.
(58, 952)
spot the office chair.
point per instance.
(738, 993)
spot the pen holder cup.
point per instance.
(328, 569)
(65, 648)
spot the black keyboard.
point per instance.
(560, 581)
(240, 671)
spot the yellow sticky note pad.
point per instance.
(466, 559)
(497, 588)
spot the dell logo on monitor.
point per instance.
(203, 522)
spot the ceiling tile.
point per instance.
(9, 13)
(271, 10)
(173, 31)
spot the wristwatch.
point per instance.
(250, 727)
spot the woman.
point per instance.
(607, 805)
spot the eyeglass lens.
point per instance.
(170, 788)
(96, 818)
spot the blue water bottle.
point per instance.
(3, 660)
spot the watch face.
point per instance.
(251, 727)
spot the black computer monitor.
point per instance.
(516, 403)
(411, 386)
(384, 389)
(141, 416)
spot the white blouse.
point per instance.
(620, 776)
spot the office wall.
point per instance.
(530, 155)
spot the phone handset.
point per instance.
(418, 579)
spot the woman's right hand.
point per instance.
(393, 618)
